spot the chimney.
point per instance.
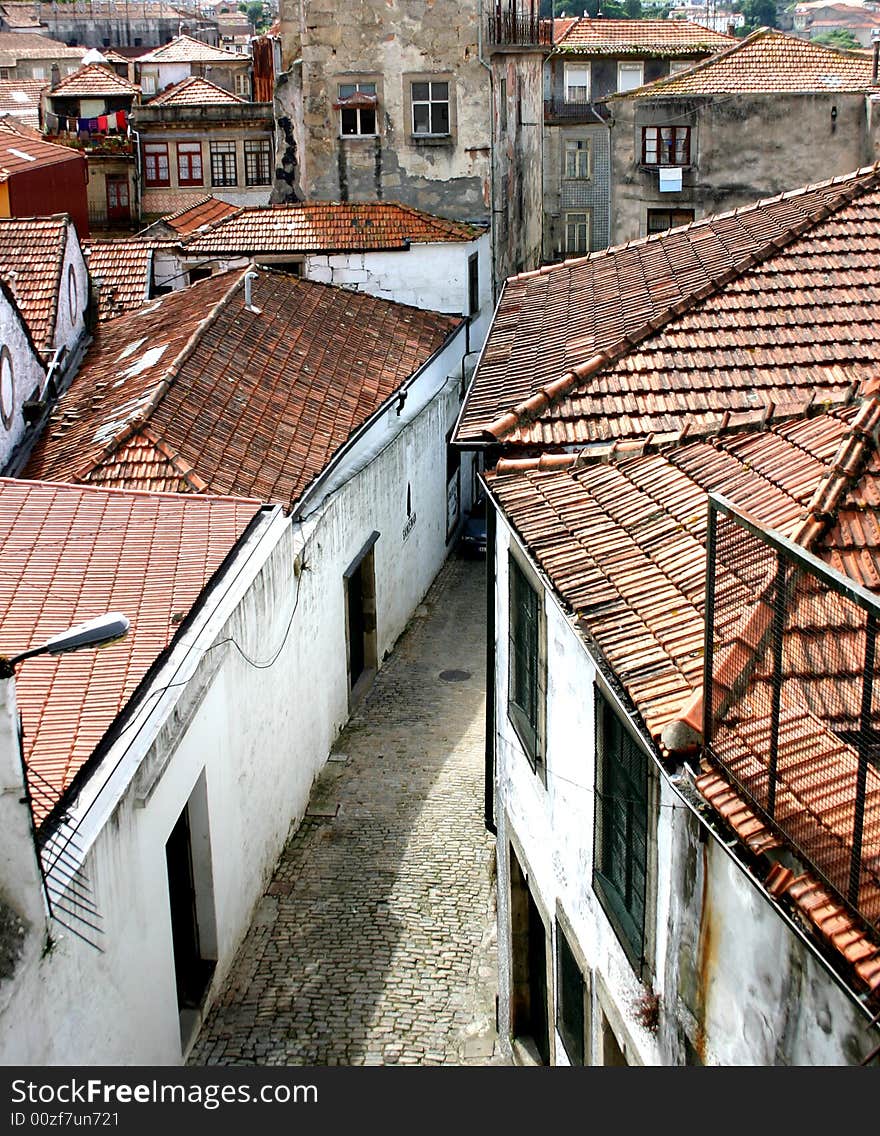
(56, 76)
(731, 28)
(248, 293)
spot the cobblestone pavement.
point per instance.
(375, 942)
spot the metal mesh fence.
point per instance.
(791, 709)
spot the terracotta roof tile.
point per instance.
(19, 151)
(206, 211)
(24, 45)
(122, 274)
(93, 79)
(194, 91)
(20, 98)
(767, 62)
(636, 37)
(707, 326)
(71, 553)
(31, 258)
(323, 226)
(238, 401)
(185, 49)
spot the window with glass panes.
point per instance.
(630, 76)
(257, 161)
(189, 163)
(156, 169)
(577, 158)
(357, 119)
(223, 166)
(577, 232)
(569, 999)
(659, 220)
(666, 145)
(577, 83)
(430, 107)
(525, 683)
(620, 854)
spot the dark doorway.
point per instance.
(118, 207)
(360, 619)
(192, 972)
(529, 1017)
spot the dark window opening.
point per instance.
(473, 284)
(257, 162)
(529, 1017)
(570, 990)
(360, 606)
(659, 220)
(192, 970)
(524, 679)
(224, 171)
(621, 834)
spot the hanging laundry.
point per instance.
(82, 125)
(111, 121)
(121, 120)
(102, 123)
(93, 125)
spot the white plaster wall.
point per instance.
(730, 972)
(171, 73)
(28, 376)
(259, 736)
(70, 322)
(432, 276)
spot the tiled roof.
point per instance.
(121, 272)
(624, 546)
(677, 38)
(31, 258)
(194, 91)
(203, 212)
(185, 49)
(93, 79)
(767, 62)
(252, 403)
(25, 45)
(321, 226)
(21, 99)
(71, 553)
(698, 328)
(20, 151)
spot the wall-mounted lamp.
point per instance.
(96, 632)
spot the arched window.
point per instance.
(7, 388)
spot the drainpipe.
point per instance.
(491, 149)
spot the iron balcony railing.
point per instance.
(791, 711)
(519, 29)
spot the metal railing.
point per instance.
(519, 29)
(791, 711)
(577, 111)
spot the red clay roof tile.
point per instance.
(31, 258)
(678, 38)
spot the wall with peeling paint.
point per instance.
(736, 985)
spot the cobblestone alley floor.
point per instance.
(375, 942)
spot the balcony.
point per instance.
(109, 145)
(518, 29)
(559, 110)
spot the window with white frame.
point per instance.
(357, 108)
(257, 161)
(430, 107)
(224, 171)
(676, 65)
(630, 76)
(577, 159)
(149, 81)
(577, 82)
(243, 85)
(577, 232)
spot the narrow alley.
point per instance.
(375, 941)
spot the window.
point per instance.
(659, 220)
(189, 163)
(243, 84)
(577, 158)
(156, 170)
(357, 108)
(473, 284)
(148, 82)
(630, 76)
(502, 106)
(570, 990)
(621, 836)
(72, 298)
(38, 72)
(676, 65)
(257, 161)
(525, 678)
(577, 232)
(7, 388)
(666, 145)
(430, 107)
(223, 165)
(577, 83)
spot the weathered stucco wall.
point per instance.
(391, 42)
(736, 985)
(743, 148)
(21, 374)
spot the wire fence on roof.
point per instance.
(791, 705)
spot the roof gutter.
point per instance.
(478, 443)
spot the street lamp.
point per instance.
(96, 632)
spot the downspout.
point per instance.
(491, 150)
(489, 788)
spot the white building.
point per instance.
(254, 629)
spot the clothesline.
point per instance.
(101, 124)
